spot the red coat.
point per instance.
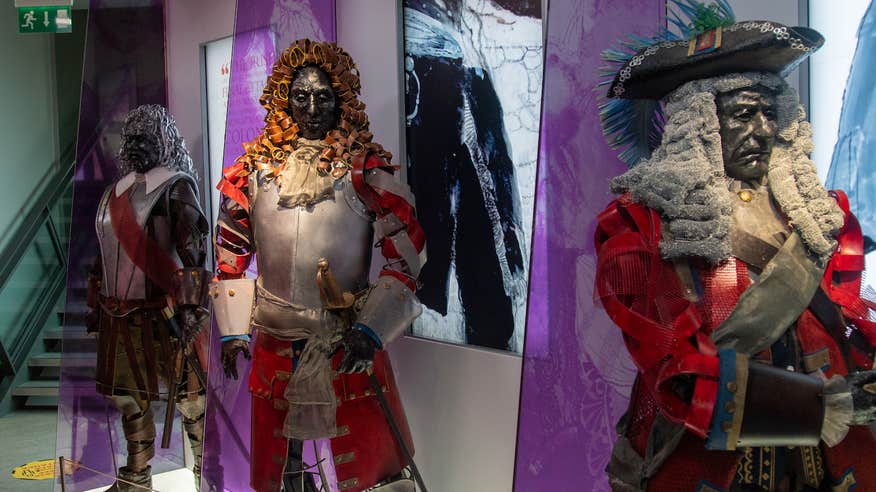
(666, 330)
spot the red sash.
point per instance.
(143, 251)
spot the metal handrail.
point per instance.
(24, 235)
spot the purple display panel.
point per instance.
(124, 68)
(262, 30)
(577, 374)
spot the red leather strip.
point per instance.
(233, 192)
(409, 282)
(702, 407)
(367, 194)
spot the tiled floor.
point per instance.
(26, 436)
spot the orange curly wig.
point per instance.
(278, 140)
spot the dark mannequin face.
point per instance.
(747, 118)
(141, 150)
(312, 103)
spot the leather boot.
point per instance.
(397, 485)
(195, 432)
(140, 433)
(131, 481)
(295, 478)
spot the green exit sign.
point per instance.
(45, 19)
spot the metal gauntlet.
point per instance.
(389, 308)
(232, 305)
(190, 286)
(782, 408)
(761, 405)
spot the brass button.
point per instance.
(231, 292)
(732, 387)
(746, 195)
(730, 407)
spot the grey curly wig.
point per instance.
(154, 119)
(684, 178)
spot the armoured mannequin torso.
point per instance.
(290, 241)
(122, 279)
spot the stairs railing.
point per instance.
(33, 269)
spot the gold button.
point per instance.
(730, 407)
(746, 195)
(231, 292)
(732, 387)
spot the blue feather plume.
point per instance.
(635, 126)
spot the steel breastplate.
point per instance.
(122, 279)
(290, 241)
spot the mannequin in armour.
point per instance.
(148, 290)
(734, 276)
(310, 198)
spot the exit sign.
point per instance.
(45, 19)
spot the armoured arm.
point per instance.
(190, 232)
(722, 395)
(233, 293)
(391, 304)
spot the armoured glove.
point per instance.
(863, 387)
(92, 321)
(358, 352)
(230, 349)
(191, 319)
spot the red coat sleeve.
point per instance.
(641, 293)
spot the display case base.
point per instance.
(181, 480)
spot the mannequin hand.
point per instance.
(191, 319)
(863, 387)
(230, 349)
(358, 352)
(92, 321)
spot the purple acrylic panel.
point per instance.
(262, 30)
(123, 68)
(577, 374)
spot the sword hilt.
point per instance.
(332, 295)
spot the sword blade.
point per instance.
(393, 425)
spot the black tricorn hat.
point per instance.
(752, 46)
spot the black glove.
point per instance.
(92, 321)
(191, 319)
(358, 352)
(863, 387)
(230, 349)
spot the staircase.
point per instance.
(41, 388)
(32, 292)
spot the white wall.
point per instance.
(830, 70)
(28, 127)
(188, 24)
(461, 402)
